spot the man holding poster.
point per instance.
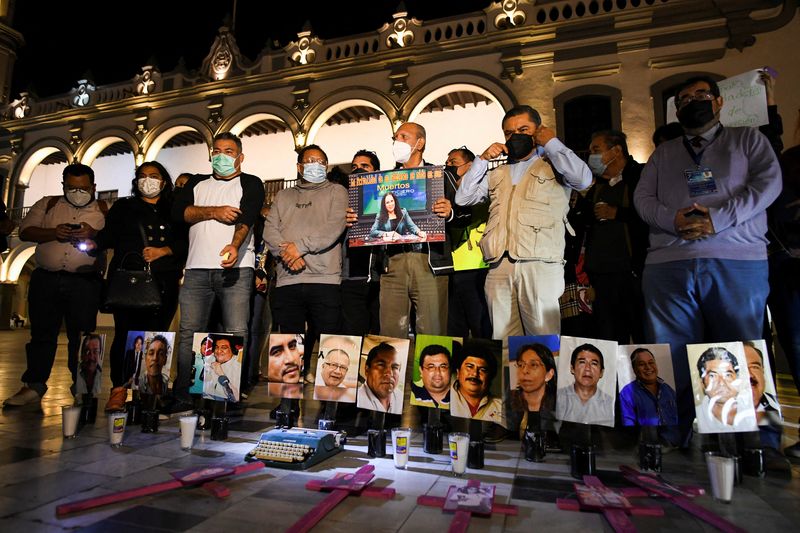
(415, 274)
(705, 196)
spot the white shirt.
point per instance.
(368, 400)
(490, 409)
(208, 237)
(212, 388)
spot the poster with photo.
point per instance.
(222, 366)
(477, 389)
(285, 370)
(133, 357)
(532, 373)
(587, 381)
(721, 385)
(396, 206)
(431, 376)
(90, 364)
(202, 347)
(382, 374)
(337, 368)
(646, 385)
(155, 361)
(476, 500)
(765, 395)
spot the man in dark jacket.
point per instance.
(616, 240)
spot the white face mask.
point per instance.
(77, 197)
(401, 151)
(314, 172)
(149, 187)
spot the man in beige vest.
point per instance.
(524, 237)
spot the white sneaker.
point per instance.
(25, 396)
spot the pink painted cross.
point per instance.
(205, 477)
(679, 496)
(461, 518)
(341, 486)
(614, 504)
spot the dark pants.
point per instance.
(467, 313)
(702, 300)
(53, 298)
(260, 320)
(154, 319)
(317, 305)
(618, 307)
(360, 307)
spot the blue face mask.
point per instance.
(314, 172)
(223, 165)
(596, 164)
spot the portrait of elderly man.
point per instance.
(433, 387)
(154, 379)
(337, 354)
(223, 369)
(721, 380)
(582, 401)
(90, 367)
(382, 389)
(476, 367)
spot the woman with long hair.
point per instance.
(140, 231)
(536, 385)
(393, 221)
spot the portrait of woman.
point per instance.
(536, 387)
(393, 222)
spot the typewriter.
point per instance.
(296, 448)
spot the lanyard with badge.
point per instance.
(700, 179)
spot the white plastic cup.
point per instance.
(401, 441)
(188, 426)
(721, 474)
(459, 449)
(70, 414)
(116, 428)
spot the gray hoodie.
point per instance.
(312, 216)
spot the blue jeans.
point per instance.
(201, 286)
(702, 300)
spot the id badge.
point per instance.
(700, 181)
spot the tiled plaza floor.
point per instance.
(39, 470)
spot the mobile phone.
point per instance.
(74, 226)
(771, 71)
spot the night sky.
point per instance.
(113, 39)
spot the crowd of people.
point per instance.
(675, 252)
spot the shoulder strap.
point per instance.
(51, 203)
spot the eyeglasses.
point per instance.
(444, 367)
(533, 365)
(315, 160)
(334, 366)
(701, 94)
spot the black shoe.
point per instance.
(775, 462)
(793, 450)
(177, 406)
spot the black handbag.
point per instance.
(132, 289)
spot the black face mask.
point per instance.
(519, 145)
(452, 169)
(696, 114)
(358, 171)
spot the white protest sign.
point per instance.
(745, 101)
